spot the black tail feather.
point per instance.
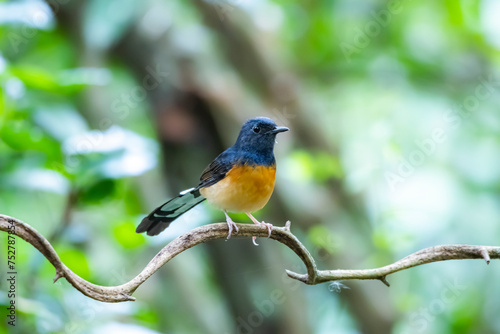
(162, 216)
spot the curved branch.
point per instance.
(210, 232)
(190, 239)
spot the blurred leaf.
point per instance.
(21, 134)
(98, 192)
(320, 236)
(60, 82)
(33, 178)
(147, 315)
(318, 166)
(327, 166)
(47, 46)
(21, 13)
(60, 121)
(133, 202)
(76, 261)
(381, 240)
(455, 12)
(35, 77)
(113, 153)
(465, 314)
(127, 237)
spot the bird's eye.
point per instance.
(256, 129)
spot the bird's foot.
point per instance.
(231, 225)
(269, 227)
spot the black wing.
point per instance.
(217, 170)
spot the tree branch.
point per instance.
(120, 293)
(426, 255)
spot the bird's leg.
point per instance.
(230, 225)
(269, 226)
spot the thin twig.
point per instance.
(426, 255)
(120, 293)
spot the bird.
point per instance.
(240, 179)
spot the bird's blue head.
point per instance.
(258, 136)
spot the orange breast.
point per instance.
(244, 189)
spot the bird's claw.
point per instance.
(269, 228)
(231, 225)
(254, 241)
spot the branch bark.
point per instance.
(120, 293)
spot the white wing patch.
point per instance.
(184, 192)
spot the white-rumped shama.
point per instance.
(240, 179)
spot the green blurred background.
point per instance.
(109, 107)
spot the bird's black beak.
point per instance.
(279, 129)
